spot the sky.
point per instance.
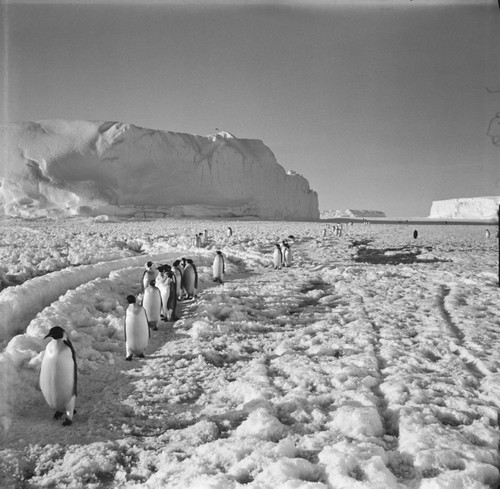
(381, 105)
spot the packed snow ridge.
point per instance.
(354, 213)
(57, 167)
(466, 208)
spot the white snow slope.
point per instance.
(84, 167)
(466, 208)
(372, 362)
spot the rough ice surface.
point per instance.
(466, 208)
(373, 362)
(83, 168)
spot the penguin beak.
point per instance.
(47, 336)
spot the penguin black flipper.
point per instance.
(68, 343)
(223, 265)
(195, 276)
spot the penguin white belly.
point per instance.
(217, 267)
(136, 326)
(277, 258)
(188, 278)
(57, 376)
(152, 304)
(165, 294)
(288, 257)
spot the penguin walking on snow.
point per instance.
(137, 330)
(218, 267)
(58, 375)
(177, 269)
(172, 296)
(152, 305)
(148, 275)
(287, 255)
(190, 279)
(277, 257)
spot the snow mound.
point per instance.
(91, 168)
(467, 208)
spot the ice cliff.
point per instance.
(85, 167)
(466, 208)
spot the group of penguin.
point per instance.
(160, 293)
(282, 255)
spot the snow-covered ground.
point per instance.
(372, 362)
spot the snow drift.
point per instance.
(470, 208)
(84, 167)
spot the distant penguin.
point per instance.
(152, 304)
(148, 275)
(415, 234)
(197, 240)
(229, 232)
(177, 269)
(58, 374)
(137, 331)
(488, 234)
(277, 256)
(190, 279)
(218, 267)
(287, 256)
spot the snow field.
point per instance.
(329, 374)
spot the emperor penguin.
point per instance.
(177, 269)
(164, 287)
(152, 304)
(277, 256)
(218, 267)
(58, 374)
(190, 279)
(287, 256)
(148, 275)
(137, 331)
(229, 232)
(172, 296)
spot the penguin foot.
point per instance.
(58, 414)
(129, 358)
(155, 328)
(67, 422)
(142, 354)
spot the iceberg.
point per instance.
(466, 208)
(58, 167)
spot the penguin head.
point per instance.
(189, 261)
(176, 263)
(152, 283)
(149, 264)
(131, 299)
(56, 332)
(219, 252)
